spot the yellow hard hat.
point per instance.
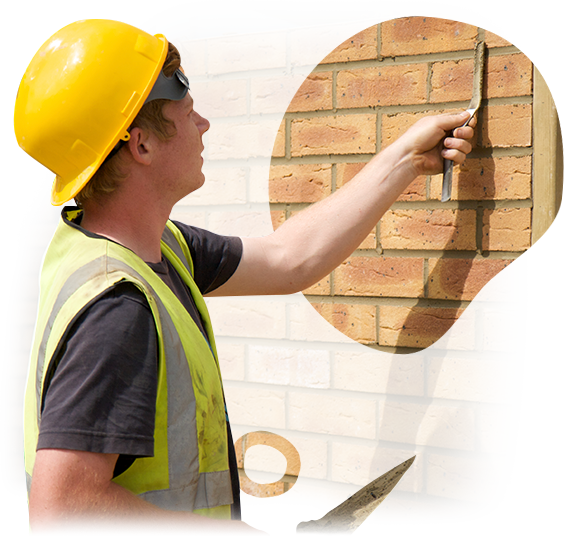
(80, 93)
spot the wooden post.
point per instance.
(547, 489)
(131, 9)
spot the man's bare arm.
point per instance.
(311, 244)
(70, 486)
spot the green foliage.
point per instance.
(6, 51)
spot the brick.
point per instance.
(289, 366)
(379, 372)
(320, 288)
(425, 35)
(433, 425)
(306, 324)
(360, 464)
(503, 432)
(509, 25)
(195, 62)
(461, 279)
(382, 86)
(9, 339)
(397, 512)
(11, 467)
(339, 415)
(496, 525)
(489, 178)
(246, 140)
(378, 276)
(342, 134)
(8, 394)
(428, 229)
(255, 407)
(355, 321)
(316, 496)
(225, 186)
(236, 317)
(246, 53)
(17, 313)
(257, 491)
(416, 327)
(334, 43)
(508, 76)
(452, 81)
(246, 223)
(494, 483)
(506, 331)
(497, 382)
(286, 455)
(290, 94)
(10, 416)
(231, 357)
(220, 98)
(9, 287)
(305, 183)
(507, 126)
(507, 229)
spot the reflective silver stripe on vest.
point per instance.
(169, 238)
(188, 489)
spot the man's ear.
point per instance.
(141, 145)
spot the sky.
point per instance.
(213, 17)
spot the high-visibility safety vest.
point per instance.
(189, 470)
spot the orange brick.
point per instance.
(358, 322)
(500, 484)
(17, 313)
(223, 98)
(321, 288)
(333, 415)
(428, 229)
(246, 223)
(289, 366)
(299, 184)
(382, 86)
(416, 191)
(416, 327)
(196, 61)
(377, 276)
(507, 229)
(508, 76)
(231, 54)
(507, 126)
(504, 432)
(223, 186)
(506, 331)
(452, 81)
(489, 178)
(334, 43)
(397, 512)
(242, 318)
(425, 35)
(342, 134)
(256, 407)
(359, 464)
(286, 455)
(497, 382)
(379, 373)
(246, 140)
(232, 361)
(461, 279)
(496, 525)
(434, 426)
(256, 491)
(509, 25)
(268, 94)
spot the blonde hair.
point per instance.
(110, 174)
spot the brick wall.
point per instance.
(353, 412)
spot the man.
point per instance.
(125, 415)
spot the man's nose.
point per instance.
(203, 123)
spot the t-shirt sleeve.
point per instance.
(102, 393)
(215, 257)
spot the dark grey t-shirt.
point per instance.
(102, 381)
